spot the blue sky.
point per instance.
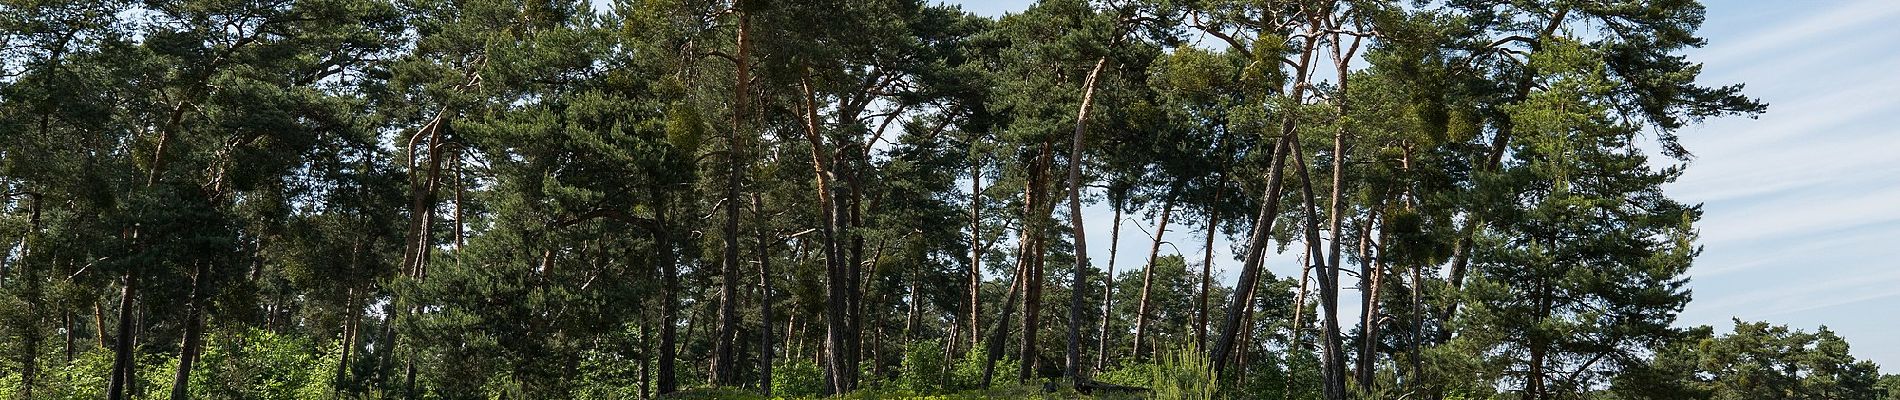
(1803, 204)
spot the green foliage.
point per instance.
(524, 199)
(258, 364)
(1176, 374)
(1756, 360)
(83, 378)
(797, 377)
(967, 373)
(923, 368)
(1889, 387)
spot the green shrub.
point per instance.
(922, 370)
(259, 364)
(797, 377)
(967, 374)
(1176, 374)
(1138, 374)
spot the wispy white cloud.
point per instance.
(1803, 204)
(1792, 297)
(1812, 29)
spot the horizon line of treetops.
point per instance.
(560, 199)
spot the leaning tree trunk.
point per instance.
(1370, 278)
(1332, 357)
(1025, 264)
(1500, 141)
(993, 352)
(341, 377)
(1250, 267)
(1148, 272)
(1214, 214)
(1074, 360)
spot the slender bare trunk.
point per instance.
(723, 357)
(99, 324)
(766, 341)
(840, 343)
(1331, 355)
(29, 272)
(993, 352)
(1073, 363)
(123, 365)
(646, 356)
(1257, 245)
(350, 327)
(1298, 328)
(194, 327)
(1147, 273)
(1371, 280)
(1207, 267)
(669, 302)
(1108, 282)
(976, 248)
(1251, 263)
(1040, 209)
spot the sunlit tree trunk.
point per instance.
(1072, 366)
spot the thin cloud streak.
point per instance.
(1812, 29)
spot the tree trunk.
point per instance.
(123, 364)
(1032, 313)
(1371, 279)
(122, 344)
(1074, 360)
(350, 327)
(723, 357)
(1257, 245)
(29, 272)
(646, 356)
(976, 248)
(840, 365)
(99, 324)
(851, 225)
(993, 352)
(1332, 358)
(1207, 266)
(1461, 250)
(194, 327)
(1108, 283)
(1040, 208)
(765, 296)
(1298, 328)
(669, 303)
(1148, 272)
(1256, 249)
